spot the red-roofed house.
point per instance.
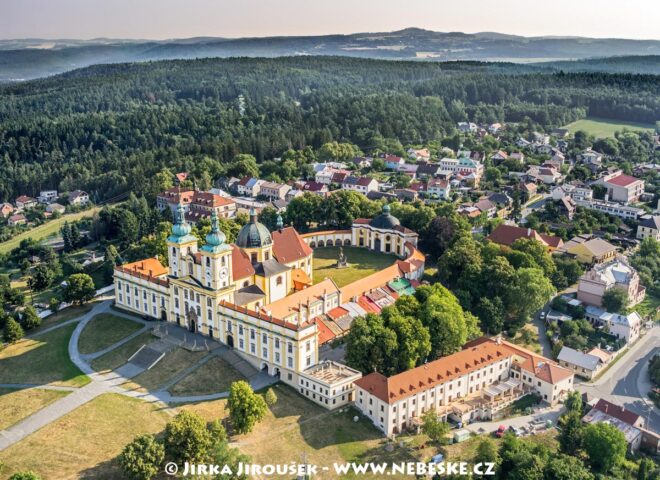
(24, 202)
(622, 188)
(507, 234)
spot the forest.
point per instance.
(108, 129)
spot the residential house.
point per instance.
(316, 188)
(47, 196)
(612, 208)
(249, 186)
(615, 273)
(591, 158)
(362, 162)
(499, 157)
(274, 191)
(522, 143)
(649, 227)
(486, 206)
(419, 154)
(203, 205)
(625, 327)
(330, 175)
(24, 202)
(467, 127)
(567, 207)
(293, 193)
(589, 250)
(55, 208)
(583, 365)
(438, 187)
(408, 169)
(180, 177)
(428, 169)
(360, 184)
(18, 219)
(392, 162)
(622, 188)
(507, 234)
(172, 197)
(78, 197)
(546, 174)
(493, 128)
(629, 423)
(540, 138)
(559, 132)
(518, 156)
(6, 209)
(406, 194)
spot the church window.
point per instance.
(208, 302)
(223, 261)
(246, 283)
(279, 280)
(208, 262)
(253, 257)
(267, 255)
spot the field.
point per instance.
(41, 360)
(85, 443)
(361, 263)
(46, 230)
(120, 355)
(17, 404)
(602, 128)
(214, 376)
(171, 365)
(62, 316)
(649, 307)
(105, 330)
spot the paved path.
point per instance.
(626, 382)
(541, 415)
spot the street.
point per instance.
(627, 383)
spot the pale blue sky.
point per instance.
(161, 19)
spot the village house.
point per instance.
(615, 273)
(274, 191)
(392, 162)
(78, 198)
(360, 184)
(622, 188)
(467, 127)
(438, 187)
(625, 327)
(316, 188)
(249, 186)
(6, 209)
(171, 198)
(24, 202)
(585, 365)
(499, 157)
(649, 227)
(419, 154)
(15, 220)
(204, 204)
(507, 234)
(589, 250)
(55, 208)
(591, 158)
(626, 421)
(47, 196)
(612, 208)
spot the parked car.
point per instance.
(499, 433)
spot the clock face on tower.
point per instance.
(224, 273)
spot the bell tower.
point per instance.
(180, 244)
(216, 258)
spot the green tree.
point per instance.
(79, 288)
(645, 470)
(615, 300)
(605, 446)
(529, 292)
(246, 408)
(486, 453)
(243, 165)
(29, 318)
(270, 397)
(25, 476)
(187, 439)
(142, 458)
(573, 402)
(41, 277)
(54, 304)
(572, 432)
(565, 467)
(13, 331)
(435, 428)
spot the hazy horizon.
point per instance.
(173, 19)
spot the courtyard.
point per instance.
(361, 263)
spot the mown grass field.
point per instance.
(17, 404)
(214, 376)
(602, 128)
(42, 360)
(51, 227)
(361, 263)
(105, 330)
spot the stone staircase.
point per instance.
(147, 356)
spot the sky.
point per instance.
(165, 19)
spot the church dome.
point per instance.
(215, 237)
(254, 234)
(385, 221)
(181, 228)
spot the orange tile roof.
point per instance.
(419, 379)
(337, 313)
(148, 266)
(325, 334)
(241, 266)
(300, 278)
(366, 284)
(285, 306)
(288, 245)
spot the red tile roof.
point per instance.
(241, 266)
(507, 234)
(325, 334)
(288, 245)
(616, 411)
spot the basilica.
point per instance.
(258, 295)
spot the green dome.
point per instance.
(254, 234)
(215, 240)
(181, 228)
(385, 221)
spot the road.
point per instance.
(535, 205)
(627, 383)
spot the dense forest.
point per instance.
(107, 128)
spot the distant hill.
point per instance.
(646, 64)
(33, 58)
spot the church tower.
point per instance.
(216, 258)
(181, 246)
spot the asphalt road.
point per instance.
(627, 383)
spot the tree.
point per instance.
(529, 292)
(605, 446)
(54, 304)
(486, 453)
(573, 402)
(187, 439)
(572, 432)
(434, 428)
(25, 476)
(29, 318)
(243, 165)
(615, 300)
(141, 459)
(565, 467)
(13, 331)
(645, 470)
(41, 277)
(370, 346)
(246, 408)
(270, 397)
(79, 288)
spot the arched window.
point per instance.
(246, 283)
(208, 262)
(223, 261)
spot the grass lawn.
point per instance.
(361, 264)
(63, 316)
(119, 356)
(85, 442)
(216, 375)
(17, 404)
(41, 360)
(172, 364)
(602, 128)
(528, 337)
(649, 307)
(467, 450)
(104, 330)
(295, 426)
(47, 229)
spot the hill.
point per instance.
(33, 58)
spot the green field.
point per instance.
(105, 330)
(361, 263)
(602, 128)
(52, 227)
